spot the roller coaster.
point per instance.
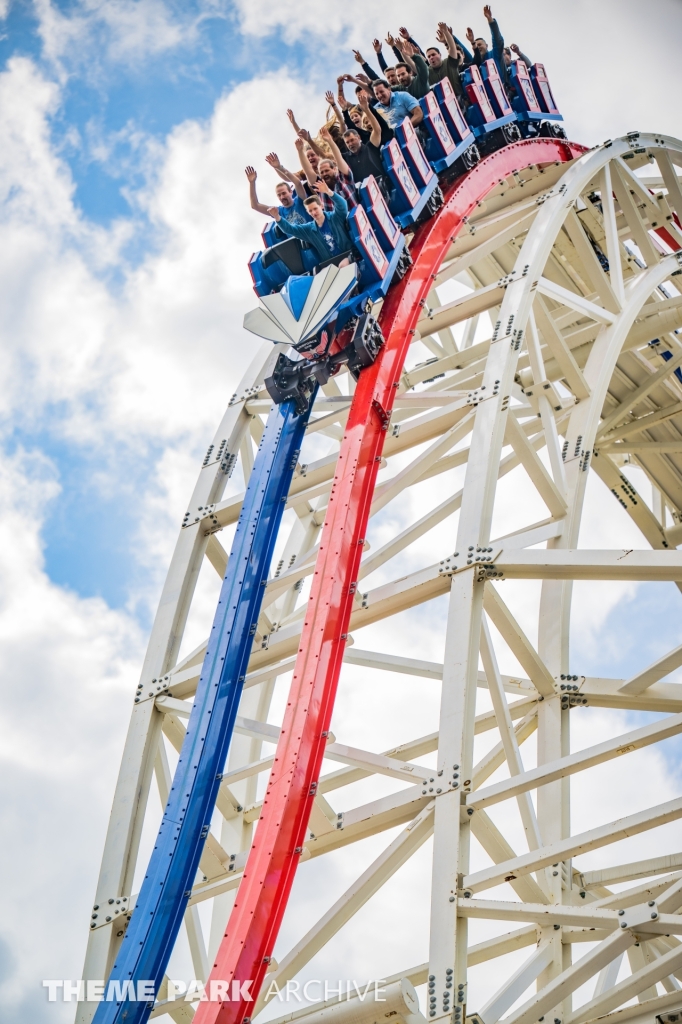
(574, 255)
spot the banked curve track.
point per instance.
(268, 871)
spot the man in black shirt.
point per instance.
(364, 158)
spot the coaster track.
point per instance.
(607, 303)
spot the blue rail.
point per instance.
(158, 913)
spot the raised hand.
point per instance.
(322, 187)
(273, 160)
(404, 33)
(487, 13)
(325, 133)
(406, 48)
(291, 116)
(440, 35)
(274, 213)
(470, 36)
(299, 144)
(330, 97)
(304, 134)
(364, 79)
(250, 174)
(377, 44)
(515, 48)
(358, 56)
(363, 101)
(390, 39)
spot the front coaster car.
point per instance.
(296, 379)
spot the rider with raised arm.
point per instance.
(328, 232)
(291, 206)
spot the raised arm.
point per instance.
(329, 96)
(286, 175)
(495, 34)
(307, 137)
(376, 43)
(343, 102)
(375, 137)
(393, 43)
(422, 71)
(477, 58)
(292, 118)
(521, 56)
(467, 53)
(406, 35)
(369, 71)
(445, 36)
(305, 163)
(255, 205)
(276, 165)
(406, 53)
(336, 152)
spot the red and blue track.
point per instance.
(271, 866)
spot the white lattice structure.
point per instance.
(579, 390)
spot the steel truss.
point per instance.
(574, 259)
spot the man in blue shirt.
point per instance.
(291, 206)
(396, 106)
(327, 233)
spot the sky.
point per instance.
(125, 126)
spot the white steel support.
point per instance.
(570, 387)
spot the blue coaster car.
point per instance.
(414, 181)
(450, 137)
(529, 87)
(483, 117)
(543, 92)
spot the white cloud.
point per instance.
(69, 668)
(124, 32)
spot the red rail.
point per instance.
(280, 834)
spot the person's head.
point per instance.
(404, 74)
(352, 140)
(328, 171)
(355, 115)
(284, 195)
(481, 45)
(433, 55)
(313, 158)
(461, 55)
(391, 76)
(313, 205)
(506, 56)
(362, 90)
(381, 90)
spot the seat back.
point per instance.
(480, 112)
(543, 90)
(289, 252)
(525, 100)
(441, 142)
(451, 110)
(494, 88)
(415, 157)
